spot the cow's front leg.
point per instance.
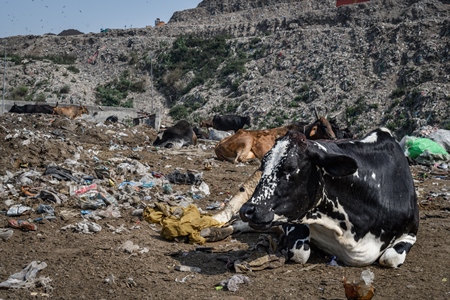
(295, 243)
(394, 256)
(245, 153)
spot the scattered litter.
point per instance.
(188, 178)
(17, 210)
(361, 290)
(232, 284)
(84, 226)
(182, 268)
(27, 278)
(5, 233)
(183, 280)
(22, 224)
(333, 262)
(128, 247)
(111, 279)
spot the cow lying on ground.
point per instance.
(70, 111)
(201, 134)
(230, 122)
(31, 109)
(246, 145)
(354, 199)
(179, 135)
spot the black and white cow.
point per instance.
(357, 197)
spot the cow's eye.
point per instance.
(289, 169)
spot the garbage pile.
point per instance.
(56, 168)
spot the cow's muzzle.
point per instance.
(256, 216)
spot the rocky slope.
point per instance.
(370, 64)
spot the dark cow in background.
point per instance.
(179, 135)
(111, 119)
(230, 122)
(31, 109)
(345, 133)
(355, 199)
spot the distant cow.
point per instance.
(230, 122)
(354, 199)
(70, 111)
(201, 134)
(206, 123)
(31, 109)
(341, 133)
(112, 119)
(179, 135)
(246, 145)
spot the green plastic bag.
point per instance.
(416, 146)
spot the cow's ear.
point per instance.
(313, 131)
(338, 165)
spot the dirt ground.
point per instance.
(93, 266)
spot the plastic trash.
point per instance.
(128, 247)
(5, 233)
(234, 281)
(91, 203)
(17, 210)
(45, 209)
(167, 188)
(363, 289)
(182, 268)
(415, 147)
(84, 189)
(27, 278)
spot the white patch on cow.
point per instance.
(301, 255)
(275, 157)
(328, 235)
(269, 175)
(374, 176)
(391, 258)
(280, 218)
(371, 138)
(386, 130)
(356, 174)
(320, 146)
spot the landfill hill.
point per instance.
(377, 63)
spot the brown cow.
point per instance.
(70, 111)
(246, 145)
(206, 123)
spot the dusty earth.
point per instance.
(92, 266)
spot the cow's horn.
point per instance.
(317, 114)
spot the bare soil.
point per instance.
(90, 266)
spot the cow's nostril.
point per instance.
(246, 212)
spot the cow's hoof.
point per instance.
(214, 234)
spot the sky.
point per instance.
(37, 17)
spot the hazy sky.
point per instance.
(23, 17)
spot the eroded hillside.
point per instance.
(370, 64)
